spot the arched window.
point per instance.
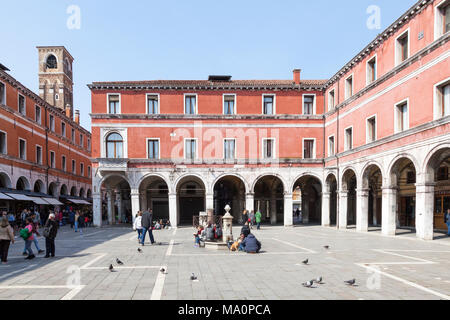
(51, 62)
(114, 146)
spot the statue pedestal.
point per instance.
(211, 245)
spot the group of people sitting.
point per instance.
(210, 233)
(247, 242)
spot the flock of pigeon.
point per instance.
(318, 280)
(307, 284)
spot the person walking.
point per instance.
(252, 219)
(244, 216)
(50, 231)
(6, 237)
(138, 225)
(36, 234)
(80, 221)
(447, 221)
(71, 219)
(28, 236)
(147, 218)
(258, 219)
(76, 217)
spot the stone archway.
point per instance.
(5, 181)
(191, 192)
(269, 198)
(23, 184)
(229, 190)
(330, 201)
(116, 205)
(369, 198)
(311, 199)
(347, 199)
(154, 194)
(39, 187)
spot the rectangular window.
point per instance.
(402, 48)
(308, 105)
(190, 148)
(114, 103)
(443, 100)
(446, 14)
(37, 114)
(331, 101)
(348, 139)
(269, 105)
(153, 149)
(63, 164)
(401, 117)
(331, 146)
(229, 149)
(89, 171)
(190, 104)
(268, 148)
(229, 101)
(73, 135)
(22, 104)
(82, 169)
(2, 94)
(52, 159)
(371, 70)
(371, 129)
(81, 140)
(89, 144)
(74, 168)
(442, 19)
(63, 129)
(308, 149)
(38, 155)
(52, 123)
(348, 87)
(22, 149)
(3, 143)
(153, 104)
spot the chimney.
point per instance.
(77, 116)
(297, 75)
(68, 113)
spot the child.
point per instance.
(198, 235)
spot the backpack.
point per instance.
(24, 233)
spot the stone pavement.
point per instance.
(384, 267)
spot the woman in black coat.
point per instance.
(50, 231)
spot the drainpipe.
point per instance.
(337, 157)
(46, 148)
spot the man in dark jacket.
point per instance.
(147, 218)
(50, 231)
(251, 244)
(245, 216)
(245, 230)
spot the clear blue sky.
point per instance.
(181, 39)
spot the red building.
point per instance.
(368, 147)
(44, 152)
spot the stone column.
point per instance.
(288, 210)
(250, 202)
(273, 209)
(110, 203)
(173, 211)
(343, 204)
(326, 209)
(424, 211)
(362, 210)
(97, 209)
(209, 198)
(135, 205)
(389, 211)
(305, 208)
(119, 206)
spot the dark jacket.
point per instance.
(244, 218)
(251, 244)
(147, 220)
(245, 230)
(52, 227)
(209, 233)
(81, 221)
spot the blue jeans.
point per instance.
(76, 226)
(150, 233)
(36, 243)
(139, 231)
(448, 227)
(28, 247)
(258, 225)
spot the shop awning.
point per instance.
(20, 197)
(5, 197)
(38, 200)
(53, 201)
(79, 201)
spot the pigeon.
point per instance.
(318, 280)
(351, 282)
(326, 247)
(119, 262)
(308, 284)
(162, 270)
(111, 268)
(305, 262)
(193, 277)
(139, 250)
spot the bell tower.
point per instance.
(56, 77)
